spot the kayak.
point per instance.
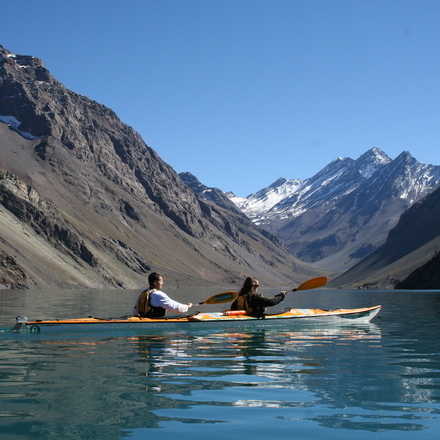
(234, 318)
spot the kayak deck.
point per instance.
(364, 314)
(293, 314)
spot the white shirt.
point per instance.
(161, 299)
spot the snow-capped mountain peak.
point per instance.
(237, 200)
(263, 200)
(373, 188)
(369, 162)
(405, 157)
(377, 155)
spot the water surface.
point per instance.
(380, 379)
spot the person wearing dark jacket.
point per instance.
(248, 299)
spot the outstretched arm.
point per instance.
(161, 299)
(269, 302)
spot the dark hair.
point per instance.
(153, 277)
(247, 285)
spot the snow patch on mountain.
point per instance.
(416, 181)
(10, 120)
(370, 161)
(343, 212)
(263, 200)
(287, 199)
(237, 200)
(14, 123)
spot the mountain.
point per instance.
(345, 211)
(291, 197)
(222, 201)
(256, 205)
(85, 202)
(214, 195)
(424, 277)
(409, 245)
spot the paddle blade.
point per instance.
(314, 283)
(220, 298)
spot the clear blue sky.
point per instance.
(242, 92)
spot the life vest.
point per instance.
(144, 307)
(255, 304)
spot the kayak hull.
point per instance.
(202, 320)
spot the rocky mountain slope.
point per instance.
(214, 195)
(85, 202)
(424, 277)
(410, 244)
(222, 201)
(345, 211)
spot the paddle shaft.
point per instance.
(225, 297)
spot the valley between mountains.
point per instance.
(85, 202)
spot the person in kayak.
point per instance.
(248, 299)
(153, 303)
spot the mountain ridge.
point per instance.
(345, 210)
(409, 245)
(104, 190)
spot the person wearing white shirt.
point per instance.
(153, 303)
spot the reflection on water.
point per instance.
(382, 377)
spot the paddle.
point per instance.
(228, 296)
(313, 283)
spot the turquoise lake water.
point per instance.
(292, 382)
